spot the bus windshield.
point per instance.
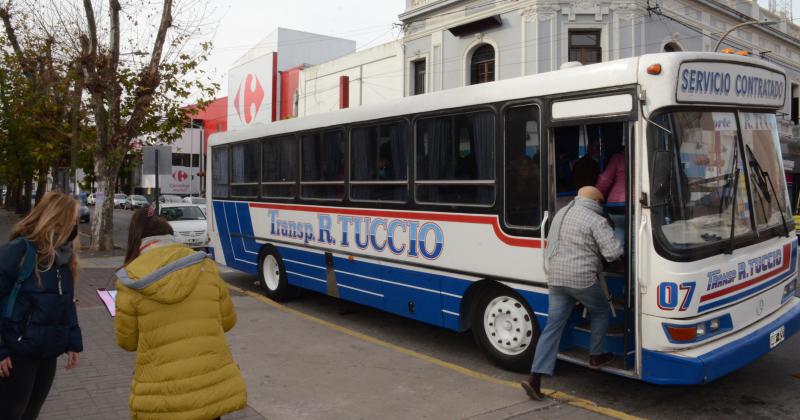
(709, 171)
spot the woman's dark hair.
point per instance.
(144, 223)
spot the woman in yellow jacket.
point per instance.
(173, 310)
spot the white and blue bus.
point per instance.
(435, 207)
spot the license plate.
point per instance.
(776, 337)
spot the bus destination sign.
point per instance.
(728, 83)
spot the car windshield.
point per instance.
(170, 199)
(182, 213)
(706, 167)
(123, 196)
(138, 198)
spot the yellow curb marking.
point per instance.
(556, 395)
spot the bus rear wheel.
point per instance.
(272, 275)
(506, 329)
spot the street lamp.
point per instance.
(735, 27)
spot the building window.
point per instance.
(419, 76)
(584, 46)
(482, 65)
(795, 109)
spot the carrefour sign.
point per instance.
(730, 84)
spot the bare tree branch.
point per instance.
(5, 15)
(149, 76)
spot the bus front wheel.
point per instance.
(272, 275)
(506, 329)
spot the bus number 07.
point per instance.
(668, 294)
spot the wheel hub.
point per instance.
(272, 273)
(508, 325)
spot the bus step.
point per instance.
(613, 330)
(580, 356)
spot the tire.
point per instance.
(505, 328)
(272, 275)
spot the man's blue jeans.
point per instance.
(561, 303)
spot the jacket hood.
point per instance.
(167, 274)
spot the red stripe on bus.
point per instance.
(787, 260)
(439, 217)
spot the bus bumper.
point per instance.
(754, 342)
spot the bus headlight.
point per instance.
(789, 289)
(700, 331)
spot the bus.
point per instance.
(436, 208)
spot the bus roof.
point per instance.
(570, 80)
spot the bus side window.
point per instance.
(455, 159)
(323, 167)
(523, 205)
(245, 174)
(379, 162)
(279, 167)
(219, 172)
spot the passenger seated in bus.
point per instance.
(611, 184)
(523, 195)
(587, 168)
(579, 239)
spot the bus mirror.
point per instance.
(659, 193)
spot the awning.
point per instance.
(476, 26)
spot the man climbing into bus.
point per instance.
(579, 238)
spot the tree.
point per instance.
(35, 84)
(130, 99)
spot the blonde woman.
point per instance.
(38, 321)
(173, 310)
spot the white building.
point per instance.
(373, 75)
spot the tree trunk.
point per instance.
(103, 221)
(25, 204)
(41, 185)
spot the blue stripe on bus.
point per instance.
(229, 224)
(245, 224)
(790, 272)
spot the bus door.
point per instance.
(579, 152)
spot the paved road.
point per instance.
(122, 218)
(767, 389)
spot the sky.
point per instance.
(237, 25)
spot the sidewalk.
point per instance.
(294, 368)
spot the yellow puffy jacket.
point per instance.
(173, 310)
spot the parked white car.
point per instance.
(198, 201)
(188, 223)
(91, 200)
(119, 200)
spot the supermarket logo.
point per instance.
(248, 99)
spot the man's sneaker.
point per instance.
(532, 386)
(596, 361)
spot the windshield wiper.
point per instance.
(735, 193)
(765, 180)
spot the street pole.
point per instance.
(735, 27)
(158, 191)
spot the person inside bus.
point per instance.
(611, 184)
(587, 168)
(579, 239)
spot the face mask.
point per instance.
(73, 234)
